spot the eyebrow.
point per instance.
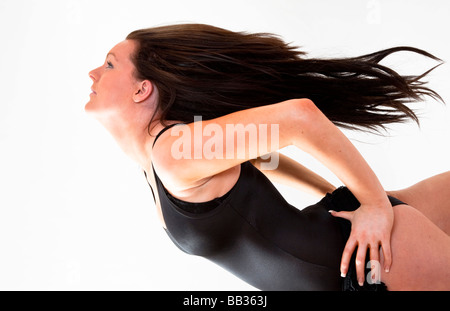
(112, 55)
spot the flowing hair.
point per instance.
(202, 70)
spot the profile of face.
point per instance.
(116, 92)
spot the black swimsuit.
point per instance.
(254, 233)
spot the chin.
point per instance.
(88, 107)
(91, 109)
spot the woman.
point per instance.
(212, 199)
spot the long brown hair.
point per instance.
(208, 71)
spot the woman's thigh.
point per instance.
(430, 196)
(421, 253)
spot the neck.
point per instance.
(134, 141)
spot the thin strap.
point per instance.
(157, 136)
(163, 130)
(153, 192)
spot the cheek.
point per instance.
(112, 98)
(115, 91)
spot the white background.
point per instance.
(77, 214)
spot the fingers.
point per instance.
(367, 234)
(374, 277)
(374, 265)
(360, 261)
(360, 264)
(342, 214)
(386, 247)
(347, 255)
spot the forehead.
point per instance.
(123, 50)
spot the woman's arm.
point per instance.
(299, 123)
(291, 173)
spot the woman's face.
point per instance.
(114, 87)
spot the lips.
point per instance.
(94, 92)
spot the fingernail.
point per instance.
(343, 275)
(330, 211)
(386, 269)
(361, 283)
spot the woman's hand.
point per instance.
(297, 122)
(371, 229)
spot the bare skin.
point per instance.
(418, 248)
(426, 220)
(431, 197)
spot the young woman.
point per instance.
(212, 198)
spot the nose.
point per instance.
(93, 74)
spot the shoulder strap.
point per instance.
(157, 136)
(163, 130)
(146, 179)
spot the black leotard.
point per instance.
(254, 233)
